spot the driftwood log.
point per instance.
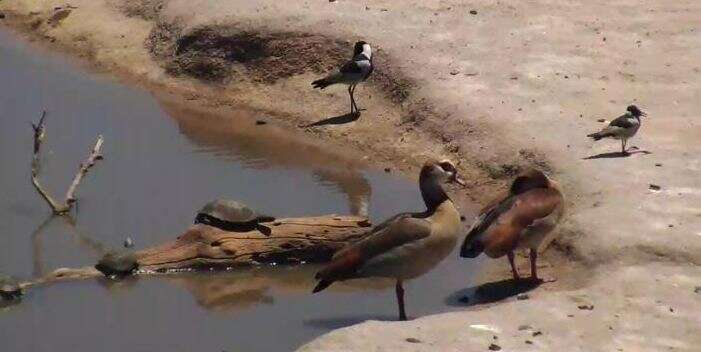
(291, 241)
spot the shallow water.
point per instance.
(161, 164)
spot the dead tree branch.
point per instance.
(95, 154)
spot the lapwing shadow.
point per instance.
(616, 155)
(341, 322)
(490, 292)
(336, 120)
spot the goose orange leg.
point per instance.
(400, 300)
(534, 257)
(510, 255)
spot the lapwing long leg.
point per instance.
(400, 300)
(350, 95)
(510, 255)
(352, 92)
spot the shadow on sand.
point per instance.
(616, 154)
(336, 120)
(490, 292)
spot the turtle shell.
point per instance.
(9, 287)
(230, 215)
(119, 263)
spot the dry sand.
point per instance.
(511, 84)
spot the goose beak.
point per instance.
(458, 180)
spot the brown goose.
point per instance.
(406, 245)
(521, 218)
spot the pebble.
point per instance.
(412, 340)
(524, 327)
(529, 342)
(658, 164)
(2, 15)
(697, 289)
(537, 333)
(454, 72)
(473, 12)
(261, 122)
(586, 307)
(128, 242)
(494, 347)
(522, 297)
(655, 187)
(601, 120)
(387, 169)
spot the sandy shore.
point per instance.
(494, 85)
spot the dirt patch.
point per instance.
(222, 53)
(144, 9)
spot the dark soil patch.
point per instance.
(219, 54)
(145, 9)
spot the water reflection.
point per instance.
(236, 136)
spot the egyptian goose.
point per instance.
(520, 218)
(622, 127)
(354, 71)
(406, 245)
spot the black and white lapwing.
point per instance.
(357, 70)
(523, 217)
(406, 245)
(622, 127)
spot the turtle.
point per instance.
(231, 215)
(117, 263)
(9, 288)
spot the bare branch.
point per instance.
(95, 154)
(38, 138)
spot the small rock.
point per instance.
(495, 337)
(367, 8)
(473, 12)
(413, 340)
(128, 242)
(655, 187)
(494, 347)
(537, 333)
(388, 170)
(454, 72)
(670, 225)
(697, 289)
(671, 309)
(332, 0)
(524, 327)
(601, 120)
(261, 122)
(522, 297)
(2, 15)
(529, 342)
(586, 307)
(658, 164)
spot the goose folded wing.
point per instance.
(499, 228)
(392, 234)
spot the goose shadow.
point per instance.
(341, 322)
(490, 292)
(610, 155)
(336, 120)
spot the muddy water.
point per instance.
(162, 163)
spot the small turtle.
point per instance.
(117, 263)
(9, 288)
(231, 215)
